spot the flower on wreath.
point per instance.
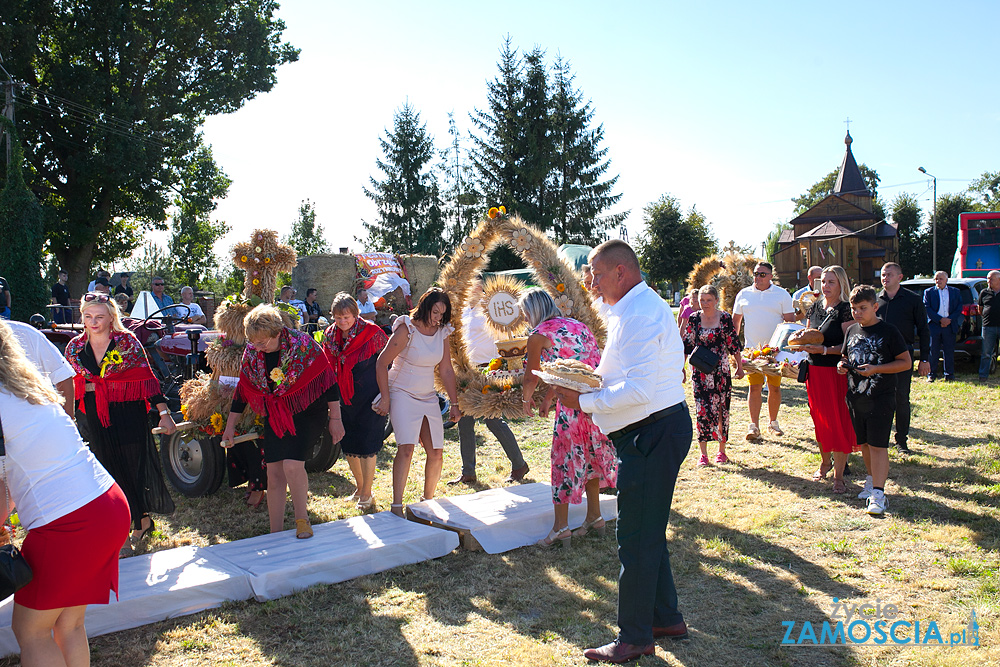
(184, 410)
(473, 247)
(503, 210)
(494, 365)
(561, 287)
(520, 239)
(243, 258)
(277, 376)
(218, 422)
(565, 304)
(256, 281)
(493, 213)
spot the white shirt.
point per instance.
(641, 364)
(762, 312)
(366, 307)
(42, 353)
(195, 309)
(602, 308)
(50, 472)
(482, 348)
(943, 297)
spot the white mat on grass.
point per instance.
(507, 518)
(278, 564)
(154, 587)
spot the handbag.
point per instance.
(803, 370)
(15, 573)
(704, 359)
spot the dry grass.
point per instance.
(753, 543)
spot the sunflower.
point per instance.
(218, 423)
(493, 213)
(503, 210)
(115, 357)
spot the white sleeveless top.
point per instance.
(413, 370)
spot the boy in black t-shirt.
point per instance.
(873, 352)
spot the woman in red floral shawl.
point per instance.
(286, 376)
(114, 388)
(353, 345)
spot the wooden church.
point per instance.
(840, 229)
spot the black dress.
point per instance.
(309, 423)
(364, 429)
(126, 448)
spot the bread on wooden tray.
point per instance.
(573, 370)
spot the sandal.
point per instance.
(821, 474)
(144, 533)
(303, 530)
(365, 505)
(260, 501)
(839, 486)
(563, 535)
(598, 525)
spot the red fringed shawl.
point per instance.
(361, 342)
(125, 370)
(305, 374)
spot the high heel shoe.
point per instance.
(365, 505)
(598, 525)
(563, 535)
(136, 539)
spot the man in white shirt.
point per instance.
(365, 306)
(641, 409)
(482, 350)
(48, 360)
(761, 308)
(815, 273)
(197, 315)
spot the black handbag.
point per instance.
(15, 573)
(803, 370)
(704, 359)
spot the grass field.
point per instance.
(754, 543)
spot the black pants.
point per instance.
(903, 404)
(649, 459)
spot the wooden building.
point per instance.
(840, 229)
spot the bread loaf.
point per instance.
(806, 337)
(573, 370)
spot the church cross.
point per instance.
(262, 258)
(848, 123)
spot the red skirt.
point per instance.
(74, 559)
(827, 392)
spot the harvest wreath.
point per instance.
(480, 396)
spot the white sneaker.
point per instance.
(775, 428)
(877, 503)
(753, 433)
(867, 491)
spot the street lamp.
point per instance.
(933, 222)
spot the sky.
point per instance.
(732, 107)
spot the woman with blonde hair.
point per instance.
(77, 518)
(825, 388)
(286, 376)
(583, 459)
(115, 388)
(353, 345)
(419, 344)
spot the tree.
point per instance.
(671, 244)
(914, 242)
(112, 98)
(580, 197)
(460, 202)
(307, 237)
(408, 200)
(825, 185)
(771, 244)
(21, 231)
(948, 208)
(985, 191)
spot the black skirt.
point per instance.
(364, 428)
(309, 425)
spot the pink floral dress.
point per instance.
(580, 452)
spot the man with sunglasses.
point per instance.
(761, 308)
(162, 300)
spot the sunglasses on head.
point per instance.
(99, 298)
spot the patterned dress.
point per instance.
(712, 391)
(580, 452)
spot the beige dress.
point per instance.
(411, 385)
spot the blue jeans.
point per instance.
(942, 344)
(649, 459)
(991, 336)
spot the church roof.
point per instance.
(827, 229)
(849, 180)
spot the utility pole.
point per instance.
(8, 110)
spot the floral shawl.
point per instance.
(125, 374)
(361, 342)
(303, 374)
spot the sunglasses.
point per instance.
(158, 284)
(761, 274)
(99, 298)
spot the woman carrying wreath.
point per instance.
(114, 389)
(286, 376)
(583, 459)
(353, 345)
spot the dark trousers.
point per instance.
(903, 404)
(502, 432)
(648, 461)
(942, 342)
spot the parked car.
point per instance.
(969, 342)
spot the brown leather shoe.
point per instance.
(676, 631)
(463, 479)
(518, 474)
(617, 652)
